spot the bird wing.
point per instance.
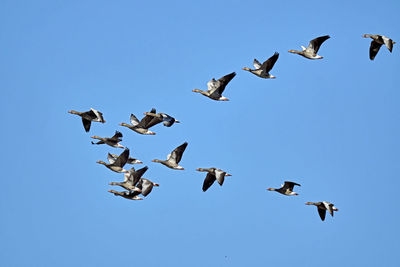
(137, 175)
(146, 186)
(269, 63)
(149, 121)
(223, 82)
(176, 154)
(220, 176)
(374, 49)
(328, 206)
(98, 115)
(212, 85)
(127, 176)
(134, 120)
(388, 42)
(208, 181)
(86, 124)
(322, 213)
(317, 42)
(116, 136)
(110, 158)
(122, 159)
(167, 120)
(256, 64)
(289, 185)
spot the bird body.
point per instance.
(174, 158)
(131, 179)
(262, 70)
(112, 157)
(166, 119)
(118, 164)
(88, 117)
(377, 42)
(213, 174)
(146, 186)
(111, 141)
(322, 207)
(217, 87)
(311, 51)
(286, 189)
(142, 127)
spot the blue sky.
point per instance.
(331, 125)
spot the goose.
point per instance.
(377, 42)
(146, 186)
(133, 195)
(286, 189)
(262, 70)
(119, 163)
(311, 51)
(88, 117)
(174, 158)
(131, 179)
(112, 157)
(323, 207)
(111, 141)
(212, 175)
(143, 126)
(217, 87)
(167, 120)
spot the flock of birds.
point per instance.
(133, 181)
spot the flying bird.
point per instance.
(262, 70)
(119, 163)
(217, 87)
(166, 119)
(212, 175)
(146, 186)
(311, 51)
(111, 141)
(112, 157)
(131, 179)
(323, 207)
(143, 126)
(286, 189)
(174, 158)
(88, 117)
(377, 42)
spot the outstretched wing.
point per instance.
(289, 185)
(176, 154)
(116, 136)
(134, 120)
(86, 124)
(256, 64)
(269, 63)
(110, 158)
(317, 42)
(322, 213)
(374, 49)
(208, 181)
(223, 82)
(122, 159)
(149, 121)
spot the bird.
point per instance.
(174, 158)
(217, 87)
(88, 117)
(167, 120)
(262, 70)
(118, 164)
(286, 189)
(131, 179)
(143, 126)
(377, 42)
(311, 51)
(212, 175)
(112, 157)
(133, 195)
(323, 207)
(111, 141)
(146, 186)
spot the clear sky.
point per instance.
(331, 125)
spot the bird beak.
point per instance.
(228, 174)
(177, 121)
